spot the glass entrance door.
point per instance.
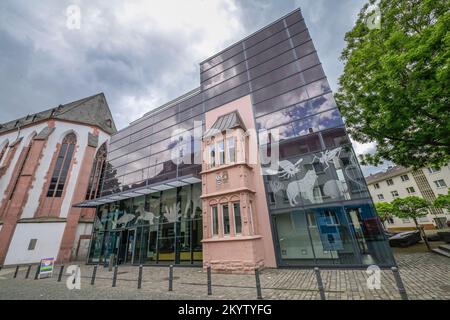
(131, 237)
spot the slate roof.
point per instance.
(93, 110)
(227, 121)
(389, 173)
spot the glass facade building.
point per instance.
(319, 207)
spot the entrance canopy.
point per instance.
(152, 188)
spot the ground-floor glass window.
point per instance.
(163, 227)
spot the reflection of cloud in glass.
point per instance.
(296, 112)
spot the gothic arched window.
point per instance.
(97, 173)
(62, 166)
(3, 151)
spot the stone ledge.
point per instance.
(228, 191)
(235, 238)
(42, 220)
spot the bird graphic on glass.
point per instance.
(328, 156)
(127, 217)
(288, 169)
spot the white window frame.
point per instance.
(234, 217)
(439, 185)
(221, 152)
(228, 155)
(214, 235)
(410, 192)
(212, 159)
(223, 219)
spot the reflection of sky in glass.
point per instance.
(296, 112)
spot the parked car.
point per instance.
(405, 239)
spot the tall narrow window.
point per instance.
(212, 156)
(3, 151)
(214, 220)
(231, 150)
(237, 218)
(252, 224)
(226, 219)
(221, 150)
(62, 166)
(97, 173)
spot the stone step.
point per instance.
(445, 247)
(442, 252)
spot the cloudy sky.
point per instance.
(139, 53)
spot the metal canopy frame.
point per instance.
(132, 193)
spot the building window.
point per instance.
(237, 218)
(250, 208)
(433, 170)
(330, 218)
(406, 220)
(390, 182)
(97, 173)
(221, 150)
(231, 150)
(271, 198)
(3, 151)
(376, 186)
(404, 177)
(214, 221)
(212, 155)
(423, 219)
(226, 219)
(61, 170)
(32, 244)
(411, 190)
(394, 193)
(440, 183)
(380, 196)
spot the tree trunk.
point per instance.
(422, 233)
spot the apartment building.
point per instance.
(400, 182)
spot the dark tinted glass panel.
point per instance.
(266, 44)
(272, 64)
(223, 66)
(263, 34)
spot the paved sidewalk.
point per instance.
(425, 275)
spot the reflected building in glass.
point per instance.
(188, 182)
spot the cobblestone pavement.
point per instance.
(425, 276)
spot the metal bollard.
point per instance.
(170, 277)
(208, 273)
(320, 283)
(60, 273)
(258, 284)
(28, 272)
(140, 277)
(399, 282)
(36, 275)
(94, 273)
(115, 275)
(15, 272)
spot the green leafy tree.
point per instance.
(412, 207)
(442, 201)
(395, 86)
(385, 211)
